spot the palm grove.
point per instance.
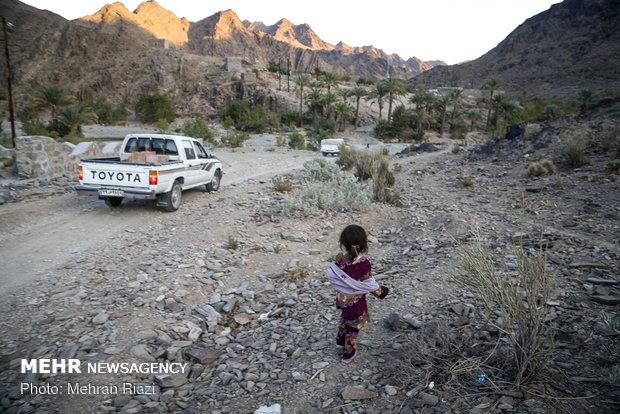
(328, 102)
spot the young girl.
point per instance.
(350, 275)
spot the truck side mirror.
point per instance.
(211, 155)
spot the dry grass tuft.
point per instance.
(540, 169)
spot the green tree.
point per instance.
(395, 89)
(302, 81)
(76, 115)
(330, 80)
(359, 93)
(343, 111)
(53, 97)
(152, 108)
(378, 94)
(492, 85)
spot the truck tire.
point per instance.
(172, 199)
(113, 201)
(214, 185)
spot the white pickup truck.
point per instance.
(152, 167)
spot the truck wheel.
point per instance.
(172, 199)
(113, 201)
(214, 185)
(324, 154)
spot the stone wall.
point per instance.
(38, 155)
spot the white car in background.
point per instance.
(331, 146)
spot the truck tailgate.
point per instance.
(117, 175)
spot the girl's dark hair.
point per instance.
(353, 239)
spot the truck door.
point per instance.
(193, 164)
(205, 174)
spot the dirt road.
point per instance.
(40, 235)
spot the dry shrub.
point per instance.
(364, 165)
(522, 301)
(574, 153)
(447, 357)
(539, 169)
(282, 184)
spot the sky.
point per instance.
(450, 30)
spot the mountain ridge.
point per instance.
(571, 46)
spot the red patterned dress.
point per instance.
(354, 309)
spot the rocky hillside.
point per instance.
(111, 52)
(572, 46)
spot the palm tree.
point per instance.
(359, 93)
(454, 117)
(344, 93)
(492, 85)
(302, 81)
(315, 101)
(395, 89)
(76, 115)
(329, 99)
(53, 97)
(442, 108)
(376, 95)
(420, 117)
(473, 116)
(317, 73)
(330, 80)
(456, 95)
(500, 103)
(343, 110)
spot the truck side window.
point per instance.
(200, 150)
(189, 150)
(132, 145)
(158, 146)
(171, 147)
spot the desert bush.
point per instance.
(280, 141)
(163, 126)
(233, 244)
(574, 153)
(383, 129)
(152, 108)
(246, 117)
(108, 114)
(364, 165)
(521, 299)
(326, 188)
(467, 182)
(299, 272)
(610, 138)
(228, 123)
(456, 148)
(383, 179)
(539, 169)
(282, 184)
(234, 139)
(346, 160)
(612, 167)
(296, 140)
(290, 117)
(198, 128)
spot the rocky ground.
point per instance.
(256, 324)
